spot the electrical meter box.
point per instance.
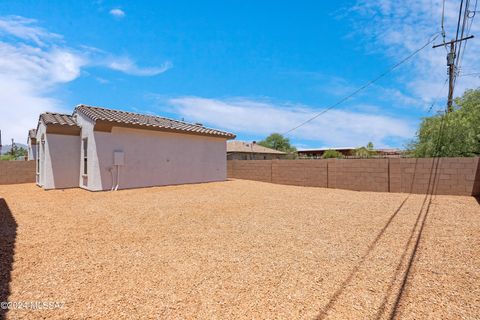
(119, 158)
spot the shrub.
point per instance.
(329, 154)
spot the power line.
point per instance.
(458, 23)
(472, 17)
(366, 85)
(434, 102)
(443, 21)
(459, 53)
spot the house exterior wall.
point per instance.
(152, 158)
(64, 157)
(32, 149)
(92, 180)
(59, 160)
(41, 172)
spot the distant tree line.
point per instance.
(362, 152)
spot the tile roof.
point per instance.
(136, 119)
(32, 133)
(58, 118)
(242, 146)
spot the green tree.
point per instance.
(329, 154)
(20, 152)
(365, 152)
(14, 153)
(278, 142)
(460, 134)
(362, 152)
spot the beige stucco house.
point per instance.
(241, 150)
(32, 144)
(104, 149)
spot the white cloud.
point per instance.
(336, 127)
(25, 29)
(34, 63)
(400, 27)
(118, 13)
(126, 65)
(29, 71)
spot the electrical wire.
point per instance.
(437, 96)
(472, 17)
(458, 52)
(443, 21)
(474, 11)
(366, 85)
(461, 53)
(458, 24)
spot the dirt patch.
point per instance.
(241, 249)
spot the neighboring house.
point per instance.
(390, 153)
(240, 150)
(32, 144)
(104, 149)
(318, 153)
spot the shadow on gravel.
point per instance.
(8, 233)
(477, 198)
(346, 282)
(421, 220)
(383, 307)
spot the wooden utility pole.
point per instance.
(12, 148)
(451, 76)
(451, 68)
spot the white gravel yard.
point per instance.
(238, 250)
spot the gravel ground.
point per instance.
(239, 249)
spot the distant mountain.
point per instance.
(8, 147)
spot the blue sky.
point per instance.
(249, 67)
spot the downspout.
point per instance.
(118, 177)
(113, 177)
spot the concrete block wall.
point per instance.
(17, 172)
(300, 172)
(316, 173)
(359, 174)
(259, 170)
(453, 176)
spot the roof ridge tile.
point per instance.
(119, 116)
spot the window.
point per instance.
(85, 154)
